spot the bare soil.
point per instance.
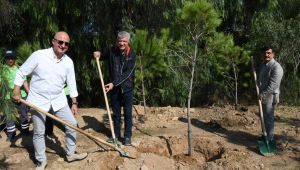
(223, 138)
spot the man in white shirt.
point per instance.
(50, 70)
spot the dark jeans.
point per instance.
(119, 99)
(23, 111)
(49, 126)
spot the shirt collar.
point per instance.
(54, 57)
(270, 62)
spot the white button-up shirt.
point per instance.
(49, 75)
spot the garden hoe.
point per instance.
(266, 147)
(97, 57)
(116, 147)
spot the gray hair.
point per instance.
(124, 34)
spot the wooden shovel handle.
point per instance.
(97, 56)
(259, 101)
(67, 124)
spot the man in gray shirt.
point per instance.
(269, 80)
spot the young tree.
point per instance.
(196, 21)
(150, 50)
(227, 59)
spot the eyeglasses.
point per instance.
(60, 42)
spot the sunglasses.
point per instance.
(60, 42)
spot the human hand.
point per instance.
(16, 98)
(16, 95)
(74, 109)
(109, 87)
(97, 55)
(260, 97)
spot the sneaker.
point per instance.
(52, 138)
(41, 165)
(76, 157)
(111, 140)
(127, 142)
(11, 137)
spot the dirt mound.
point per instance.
(223, 138)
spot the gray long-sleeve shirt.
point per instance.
(269, 79)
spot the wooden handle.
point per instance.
(259, 101)
(65, 123)
(97, 56)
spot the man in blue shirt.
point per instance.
(121, 61)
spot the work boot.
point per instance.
(76, 157)
(41, 165)
(127, 142)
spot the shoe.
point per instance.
(76, 157)
(111, 140)
(52, 138)
(11, 137)
(127, 142)
(41, 165)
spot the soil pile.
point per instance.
(223, 138)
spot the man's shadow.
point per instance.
(290, 121)
(52, 143)
(236, 137)
(93, 123)
(26, 144)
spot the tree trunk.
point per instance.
(143, 86)
(236, 85)
(190, 146)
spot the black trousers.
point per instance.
(50, 123)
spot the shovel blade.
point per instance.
(267, 148)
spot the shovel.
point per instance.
(97, 57)
(266, 147)
(116, 147)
